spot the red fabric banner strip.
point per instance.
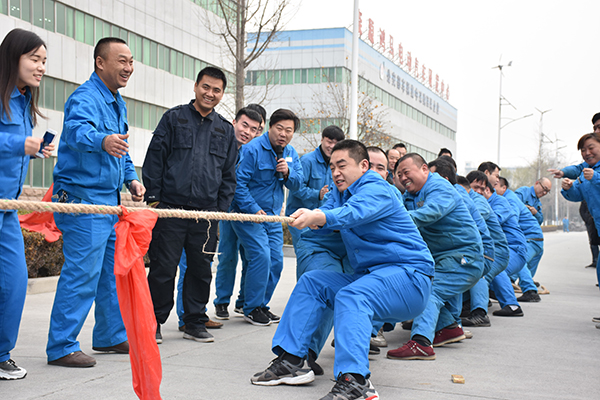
(42, 222)
(134, 233)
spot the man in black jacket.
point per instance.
(190, 164)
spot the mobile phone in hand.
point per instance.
(48, 139)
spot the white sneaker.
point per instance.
(379, 340)
(9, 370)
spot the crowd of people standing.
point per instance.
(380, 237)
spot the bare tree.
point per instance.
(332, 104)
(264, 18)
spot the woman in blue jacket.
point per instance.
(22, 65)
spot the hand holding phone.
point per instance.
(48, 139)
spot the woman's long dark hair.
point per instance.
(14, 45)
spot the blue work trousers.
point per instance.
(386, 294)
(501, 284)
(452, 278)
(263, 249)
(228, 260)
(480, 293)
(87, 276)
(322, 253)
(535, 250)
(13, 281)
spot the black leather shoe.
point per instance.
(508, 312)
(530, 296)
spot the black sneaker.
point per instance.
(312, 363)
(258, 318)
(530, 296)
(239, 310)
(476, 318)
(274, 318)
(221, 311)
(373, 350)
(9, 370)
(407, 325)
(158, 334)
(347, 388)
(509, 312)
(199, 335)
(283, 372)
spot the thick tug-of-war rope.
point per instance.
(72, 208)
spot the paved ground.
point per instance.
(551, 353)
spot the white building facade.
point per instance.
(170, 42)
(300, 67)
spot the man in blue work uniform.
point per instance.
(446, 170)
(497, 278)
(531, 195)
(249, 122)
(266, 165)
(190, 164)
(535, 243)
(391, 280)
(93, 163)
(317, 177)
(455, 243)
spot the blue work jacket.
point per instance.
(375, 227)
(316, 175)
(527, 195)
(13, 132)
(529, 225)
(484, 232)
(258, 188)
(496, 232)
(83, 169)
(573, 171)
(509, 223)
(443, 220)
(588, 190)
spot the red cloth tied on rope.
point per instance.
(42, 221)
(134, 233)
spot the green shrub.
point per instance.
(43, 258)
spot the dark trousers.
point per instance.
(169, 237)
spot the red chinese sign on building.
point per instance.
(371, 33)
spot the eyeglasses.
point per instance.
(544, 188)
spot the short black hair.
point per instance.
(259, 109)
(253, 115)
(356, 150)
(595, 118)
(333, 132)
(103, 45)
(444, 168)
(503, 181)
(283, 114)
(444, 150)
(450, 160)
(462, 181)
(399, 146)
(213, 72)
(478, 176)
(416, 157)
(488, 166)
(375, 149)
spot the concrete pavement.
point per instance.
(551, 353)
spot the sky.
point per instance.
(553, 46)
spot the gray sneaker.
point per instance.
(347, 388)
(284, 372)
(9, 370)
(199, 335)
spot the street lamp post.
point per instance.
(500, 66)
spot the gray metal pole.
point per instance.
(352, 132)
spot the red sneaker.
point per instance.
(412, 351)
(445, 336)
